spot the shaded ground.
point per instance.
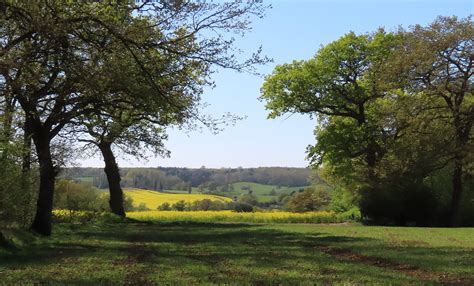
(151, 254)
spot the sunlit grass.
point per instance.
(187, 253)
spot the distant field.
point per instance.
(263, 192)
(153, 199)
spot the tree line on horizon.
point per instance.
(171, 178)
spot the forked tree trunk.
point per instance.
(42, 221)
(113, 176)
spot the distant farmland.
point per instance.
(153, 199)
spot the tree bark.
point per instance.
(371, 148)
(27, 135)
(26, 178)
(462, 137)
(113, 176)
(456, 194)
(42, 221)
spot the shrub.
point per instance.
(75, 196)
(241, 207)
(164, 207)
(249, 199)
(179, 206)
(342, 200)
(311, 199)
(18, 190)
(141, 207)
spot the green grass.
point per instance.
(197, 253)
(261, 191)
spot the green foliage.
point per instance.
(311, 199)
(127, 203)
(208, 205)
(74, 196)
(403, 203)
(141, 207)
(164, 207)
(177, 178)
(17, 189)
(242, 207)
(394, 110)
(249, 199)
(342, 200)
(179, 206)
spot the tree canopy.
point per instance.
(393, 110)
(128, 66)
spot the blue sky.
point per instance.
(292, 30)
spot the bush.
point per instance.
(78, 197)
(310, 199)
(18, 190)
(342, 200)
(141, 207)
(179, 206)
(164, 207)
(249, 199)
(241, 207)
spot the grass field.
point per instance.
(153, 199)
(145, 253)
(263, 192)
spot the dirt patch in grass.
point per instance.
(407, 269)
(137, 253)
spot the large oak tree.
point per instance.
(51, 51)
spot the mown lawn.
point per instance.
(203, 253)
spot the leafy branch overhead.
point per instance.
(120, 73)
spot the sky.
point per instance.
(291, 30)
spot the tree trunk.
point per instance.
(456, 194)
(42, 221)
(462, 137)
(371, 148)
(26, 160)
(8, 112)
(26, 178)
(113, 176)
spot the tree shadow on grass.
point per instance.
(219, 253)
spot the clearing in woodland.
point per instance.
(149, 253)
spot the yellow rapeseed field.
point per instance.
(153, 199)
(230, 216)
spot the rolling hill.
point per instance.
(153, 199)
